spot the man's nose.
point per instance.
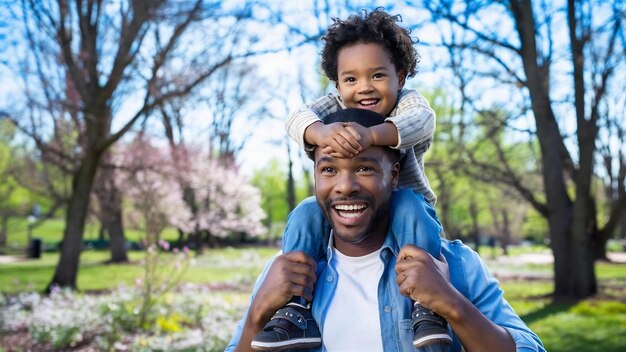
(347, 184)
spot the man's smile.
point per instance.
(350, 213)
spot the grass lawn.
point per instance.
(213, 267)
(596, 324)
(50, 232)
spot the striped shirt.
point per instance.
(414, 119)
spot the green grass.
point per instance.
(51, 232)
(591, 325)
(586, 326)
(94, 274)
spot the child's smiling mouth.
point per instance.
(368, 102)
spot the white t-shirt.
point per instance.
(352, 321)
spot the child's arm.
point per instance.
(414, 119)
(413, 125)
(304, 126)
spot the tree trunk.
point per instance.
(115, 227)
(4, 223)
(475, 228)
(623, 229)
(210, 239)
(110, 201)
(101, 232)
(443, 201)
(291, 188)
(82, 182)
(574, 277)
(505, 239)
(197, 241)
(598, 239)
(600, 243)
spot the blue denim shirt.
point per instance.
(468, 274)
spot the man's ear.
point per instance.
(395, 175)
(401, 79)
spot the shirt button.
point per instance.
(329, 278)
(387, 309)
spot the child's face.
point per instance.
(367, 79)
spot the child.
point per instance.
(369, 59)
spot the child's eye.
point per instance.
(379, 75)
(349, 80)
(327, 170)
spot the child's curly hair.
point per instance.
(376, 27)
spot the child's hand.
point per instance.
(339, 140)
(362, 135)
(366, 138)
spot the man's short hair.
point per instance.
(363, 117)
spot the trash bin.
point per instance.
(35, 248)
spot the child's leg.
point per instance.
(293, 326)
(307, 230)
(414, 221)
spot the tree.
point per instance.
(146, 177)
(469, 202)
(17, 198)
(270, 180)
(93, 63)
(224, 202)
(7, 181)
(109, 209)
(511, 53)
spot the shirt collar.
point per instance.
(390, 246)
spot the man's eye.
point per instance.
(365, 169)
(326, 170)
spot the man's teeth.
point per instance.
(349, 215)
(350, 206)
(350, 211)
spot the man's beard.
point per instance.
(378, 219)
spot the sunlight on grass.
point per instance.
(215, 266)
(51, 232)
(587, 326)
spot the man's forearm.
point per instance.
(474, 330)
(250, 330)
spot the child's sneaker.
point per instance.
(429, 328)
(292, 327)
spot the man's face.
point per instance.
(367, 79)
(354, 194)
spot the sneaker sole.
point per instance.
(284, 345)
(442, 339)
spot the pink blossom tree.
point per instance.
(218, 201)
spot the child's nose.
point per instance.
(365, 86)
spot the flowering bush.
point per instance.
(186, 318)
(161, 274)
(191, 318)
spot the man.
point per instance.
(366, 285)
